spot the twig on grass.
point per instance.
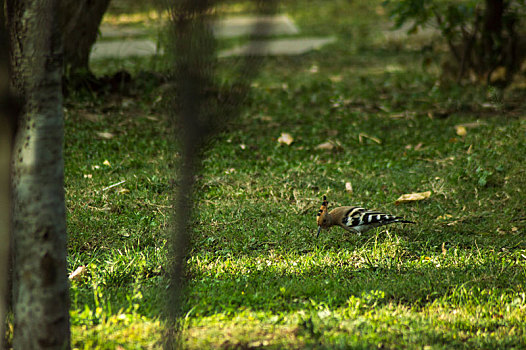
(111, 186)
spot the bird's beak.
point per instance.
(319, 230)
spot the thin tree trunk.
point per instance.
(7, 130)
(201, 108)
(492, 35)
(41, 299)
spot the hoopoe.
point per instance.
(353, 219)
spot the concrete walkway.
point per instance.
(126, 43)
(124, 48)
(277, 47)
(258, 26)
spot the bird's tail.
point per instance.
(404, 221)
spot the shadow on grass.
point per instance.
(415, 284)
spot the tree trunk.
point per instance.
(492, 35)
(80, 21)
(41, 300)
(492, 23)
(7, 131)
(200, 109)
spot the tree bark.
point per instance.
(41, 300)
(492, 35)
(7, 131)
(80, 21)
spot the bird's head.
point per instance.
(323, 218)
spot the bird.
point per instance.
(354, 219)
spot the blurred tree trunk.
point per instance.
(200, 109)
(7, 132)
(492, 34)
(40, 285)
(80, 21)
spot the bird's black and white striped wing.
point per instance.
(362, 220)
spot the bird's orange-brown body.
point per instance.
(353, 219)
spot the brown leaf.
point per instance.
(92, 117)
(326, 146)
(266, 118)
(472, 124)
(361, 136)
(330, 145)
(285, 139)
(461, 130)
(105, 135)
(444, 217)
(411, 197)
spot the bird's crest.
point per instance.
(323, 209)
(322, 216)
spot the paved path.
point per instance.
(127, 44)
(124, 48)
(251, 25)
(278, 47)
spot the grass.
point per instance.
(257, 276)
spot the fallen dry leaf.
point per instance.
(326, 145)
(444, 217)
(106, 162)
(336, 78)
(285, 139)
(348, 187)
(105, 135)
(266, 118)
(411, 197)
(78, 274)
(92, 117)
(361, 136)
(461, 130)
(330, 145)
(472, 124)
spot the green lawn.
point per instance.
(258, 278)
